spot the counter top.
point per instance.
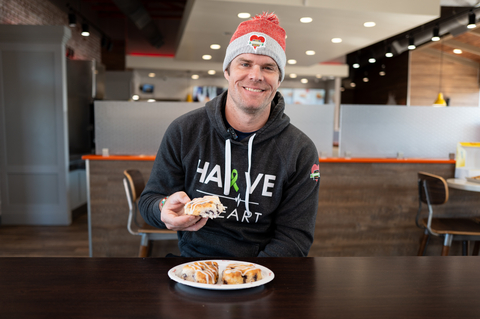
(322, 159)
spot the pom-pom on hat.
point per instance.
(260, 35)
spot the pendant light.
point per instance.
(472, 21)
(440, 101)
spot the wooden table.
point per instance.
(321, 287)
(463, 184)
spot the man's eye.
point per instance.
(245, 64)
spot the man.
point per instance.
(242, 148)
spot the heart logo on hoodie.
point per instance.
(256, 41)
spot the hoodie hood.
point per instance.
(277, 121)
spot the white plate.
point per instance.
(267, 276)
(473, 180)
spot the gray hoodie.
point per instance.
(269, 183)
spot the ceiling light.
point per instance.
(306, 20)
(243, 15)
(85, 32)
(389, 52)
(211, 72)
(372, 60)
(382, 73)
(206, 57)
(352, 84)
(135, 97)
(436, 33)
(369, 24)
(72, 20)
(457, 51)
(215, 46)
(336, 40)
(304, 81)
(292, 61)
(151, 100)
(310, 52)
(151, 75)
(195, 76)
(356, 65)
(293, 75)
(365, 79)
(411, 43)
(318, 76)
(472, 20)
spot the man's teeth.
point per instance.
(253, 90)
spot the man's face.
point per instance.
(252, 82)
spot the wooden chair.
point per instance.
(134, 185)
(433, 190)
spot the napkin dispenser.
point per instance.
(467, 160)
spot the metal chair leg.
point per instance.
(465, 248)
(144, 246)
(476, 248)
(423, 244)
(446, 244)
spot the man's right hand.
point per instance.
(173, 214)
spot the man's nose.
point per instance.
(256, 73)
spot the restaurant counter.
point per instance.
(367, 206)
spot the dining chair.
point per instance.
(134, 184)
(433, 191)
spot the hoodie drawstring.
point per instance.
(228, 171)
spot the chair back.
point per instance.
(432, 189)
(134, 185)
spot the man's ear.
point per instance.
(225, 74)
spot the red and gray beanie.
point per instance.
(260, 35)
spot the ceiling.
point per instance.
(188, 27)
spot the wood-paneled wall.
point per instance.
(364, 209)
(431, 73)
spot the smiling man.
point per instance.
(242, 148)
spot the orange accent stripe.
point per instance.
(322, 160)
(119, 157)
(386, 160)
(165, 55)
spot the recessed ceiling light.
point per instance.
(151, 100)
(372, 60)
(206, 57)
(352, 84)
(336, 40)
(215, 46)
(195, 76)
(356, 65)
(365, 79)
(211, 72)
(310, 52)
(304, 81)
(243, 15)
(293, 75)
(151, 75)
(457, 51)
(135, 97)
(369, 24)
(292, 61)
(382, 73)
(306, 20)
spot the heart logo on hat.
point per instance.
(256, 41)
